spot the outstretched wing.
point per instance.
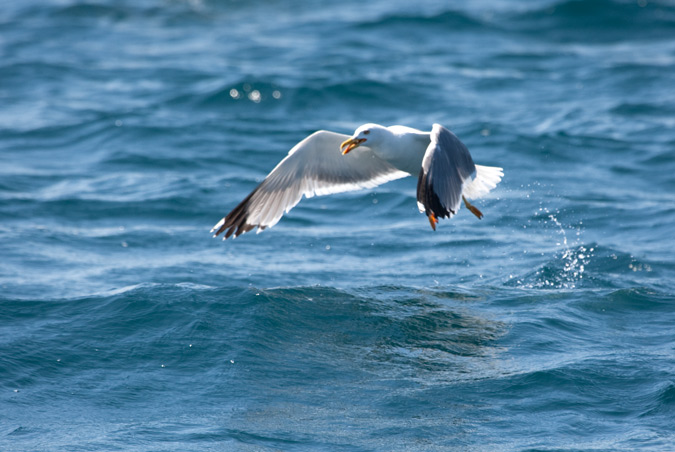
(447, 166)
(315, 166)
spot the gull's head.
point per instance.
(367, 133)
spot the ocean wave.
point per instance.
(637, 299)
(576, 384)
(662, 400)
(445, 20)
(566, 270)
(92, 11)
(87, 13)
(588, 266)
(632, 109)
(597, 20)
(407, 327)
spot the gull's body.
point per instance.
(372, 156)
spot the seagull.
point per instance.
(327, 162)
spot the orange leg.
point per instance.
(433, 221)
(472, 208)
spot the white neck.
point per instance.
(403, 147)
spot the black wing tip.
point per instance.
(433, 206)
(235, 223)
(234, 230)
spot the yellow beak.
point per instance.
(351, 144)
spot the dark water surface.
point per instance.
(128, 128)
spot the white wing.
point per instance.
(315, 166)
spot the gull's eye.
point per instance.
(366, 132)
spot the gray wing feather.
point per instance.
(446, 167)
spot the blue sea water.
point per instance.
(129, 128)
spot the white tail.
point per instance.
(487, 178)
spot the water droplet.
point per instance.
(255, 96)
